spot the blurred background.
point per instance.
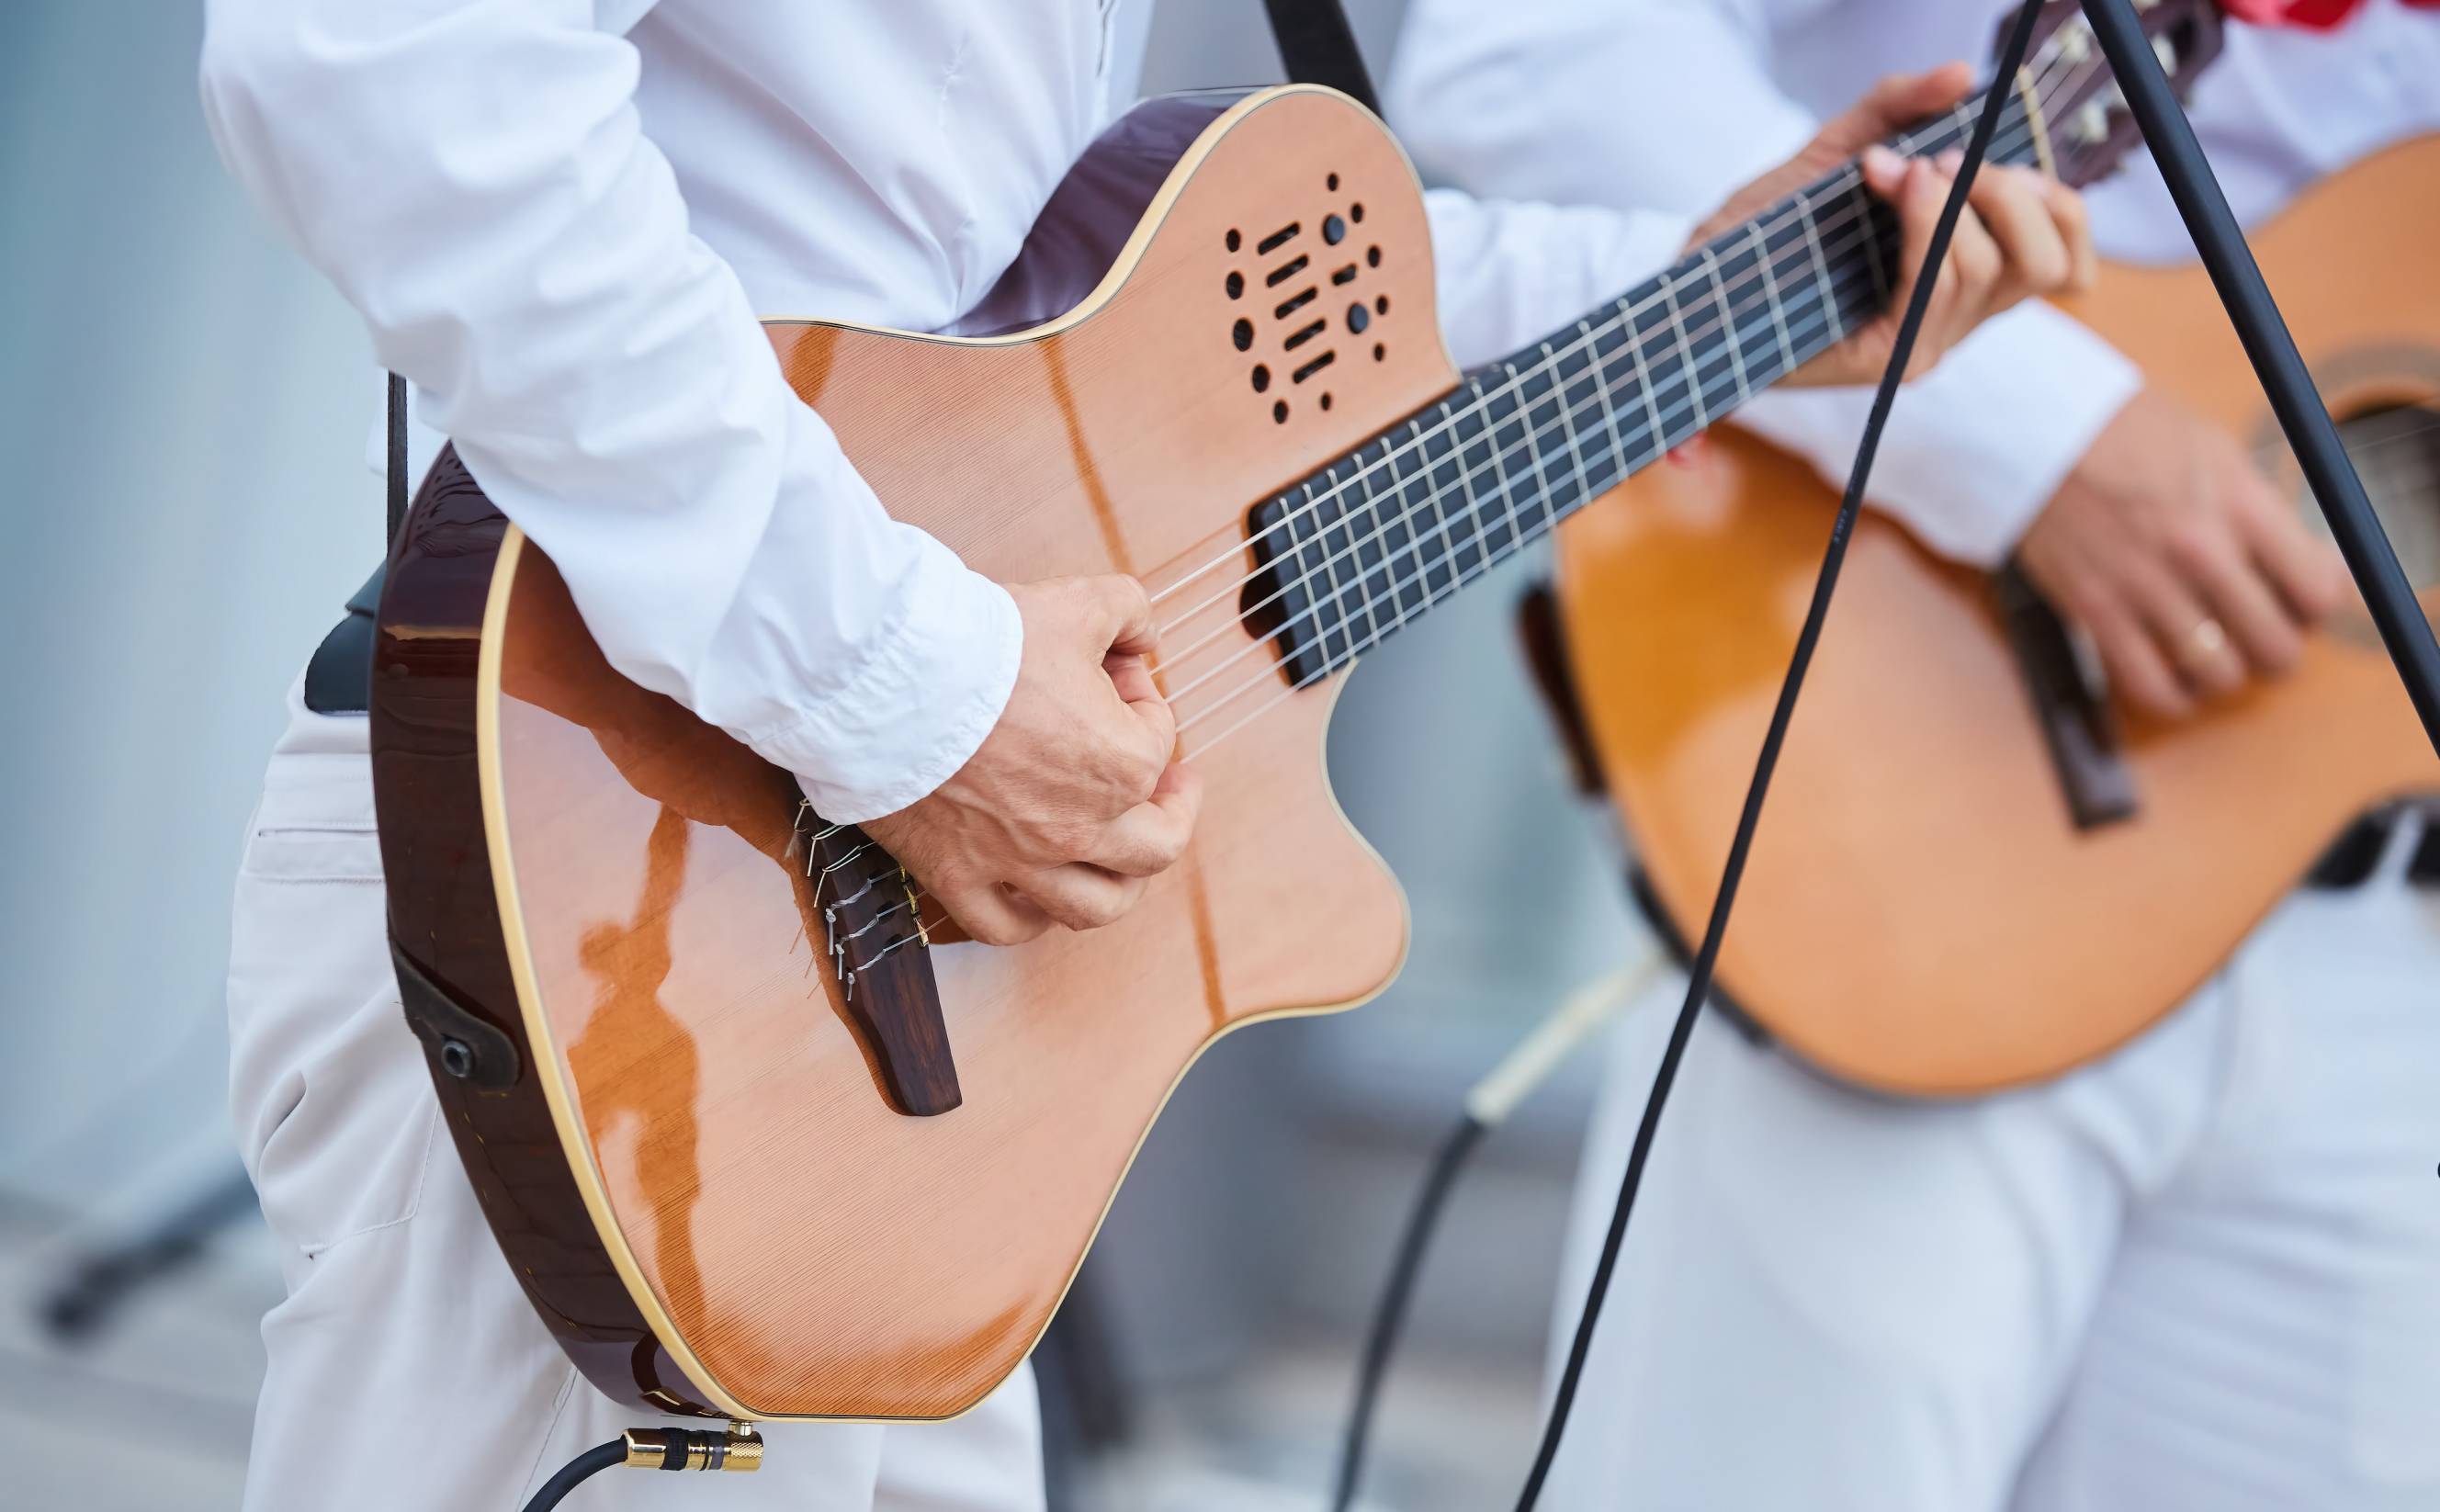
(183, 412)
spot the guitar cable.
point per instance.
(1487, 1107)
(735, 1448)
(1698, 982)
(741, 1448)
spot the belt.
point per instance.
(2356, 856)
(339, 680)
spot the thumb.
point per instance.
(1894, 103)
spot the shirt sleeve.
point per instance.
(1510, 271)
(475, 180)
(1670, 105)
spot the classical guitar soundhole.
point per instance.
(1305, 267)
(2397, 452)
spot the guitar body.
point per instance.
(703, 1169)
(1919, 915)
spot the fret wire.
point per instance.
(2015, 144)
(1486, 435)
(1608, 401)
(1321, 593)
(1533, 458)
(1720, 291)
(1685, 357)
(1567, 424)
(1775, 312)
(1484, 560)
(1551, 371)
(1334, 616)
(1364, 600)
(1499, 474)
(1388, 547)
(1770, 296)
(1456, 585)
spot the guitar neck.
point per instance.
(1353, 552)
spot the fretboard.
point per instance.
(1357, 550)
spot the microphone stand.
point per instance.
(2298, 405)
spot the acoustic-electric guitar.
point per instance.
(1963, 884)
(760, 1135)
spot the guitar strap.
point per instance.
(1318, 47)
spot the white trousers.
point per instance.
(2202, 1273)
(406, 1369)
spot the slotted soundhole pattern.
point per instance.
(1296, 292)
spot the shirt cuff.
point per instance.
(932, 685)
(1975, 449)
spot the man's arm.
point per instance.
(2145, 525)
(473, 177)
(1669, 104)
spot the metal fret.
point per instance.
(1729, 321)
(1821, 275)
(1567, 425)
(1608, 400)
(1770, 296)
(1685, 353)
(1651, 401)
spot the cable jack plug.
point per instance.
(739, 1449)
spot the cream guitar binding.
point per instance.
(735, 1182)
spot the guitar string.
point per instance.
(1693, 391)
(1517, 540)
(918, 894)
(1842, 182)
(1624, 319)
(1697, 389)
(1599, 409)
(1534, 531)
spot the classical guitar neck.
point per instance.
(1354, 551)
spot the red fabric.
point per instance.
(2314, 15)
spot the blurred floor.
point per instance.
(153, 1413)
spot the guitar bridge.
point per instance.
(878, 946)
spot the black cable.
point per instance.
(592, 1461)
(396, 481)
(1698, 982)
(1391, 1314)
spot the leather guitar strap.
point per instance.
(1318, 47)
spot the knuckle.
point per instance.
(2190, 545)
(2051, 267)
(991, 929)
(1068, 837)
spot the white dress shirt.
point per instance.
(1671, 103)
(561, 219)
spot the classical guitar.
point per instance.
(758, 1134)
(1941, 902)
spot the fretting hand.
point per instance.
(1075, 799)
(2020, 235)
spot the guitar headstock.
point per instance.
(2085, 115)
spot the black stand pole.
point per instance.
(2302, 415)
